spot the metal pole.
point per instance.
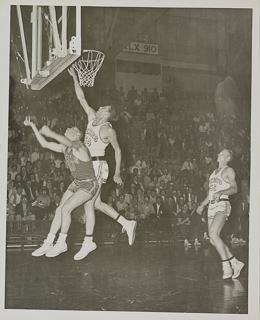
(39, 38)
(34, 39)
(78, 29)
(27, 68)
(64, 30)
(57, 44)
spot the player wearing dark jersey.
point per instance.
(82, 189)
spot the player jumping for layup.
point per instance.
(98, 135)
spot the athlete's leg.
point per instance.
(96, 203)
(56, 222)
(88, 245)
(128, 226)
(73, 202)
(55, 226)
(105, 208)
(77, 199)
(90, 213)
(215, 226)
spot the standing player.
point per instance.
(82, 189)
(222, 183)
(98, 135)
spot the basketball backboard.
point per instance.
(50, 52)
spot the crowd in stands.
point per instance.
(169, 149)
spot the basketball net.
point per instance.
(87, 67)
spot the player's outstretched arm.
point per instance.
(47, 132)
(80, 95)
(44, 143)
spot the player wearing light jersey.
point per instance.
(222, 184)
(99, 134)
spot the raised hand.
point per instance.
(27, 122)
(118, 179)
(72, 71)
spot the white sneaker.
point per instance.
(197, 243)
(237, 267)
(46, 247)
(57, 249)
(87, 247)
(186, 243)
(130, 230)
(227, 272)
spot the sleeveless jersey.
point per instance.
(93, 141)
(217, 183)
(80, 170)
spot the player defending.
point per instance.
(98, 135)
(82, 189)
(222, 184)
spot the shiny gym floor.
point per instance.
(148, 276)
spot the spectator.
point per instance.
(111, 202)
(10, 211)
(146, 208)
(140, 195)
(15, 195)
(145, 179)
(183, 222)
(41, 205)
(195, 220)
(53, 206)
(35, 155)
(163, 195)
(13, 172)
(31, 191)
(133, 212)
(159, 208)
(122, 205)
(166, 177)
(23, 210)
(10, 183)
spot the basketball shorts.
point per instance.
(90, 186)
(223, 206)
(101, 170)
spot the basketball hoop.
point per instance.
(87, 66)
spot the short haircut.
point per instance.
(231, 155)
(78, 132)
(112, 113)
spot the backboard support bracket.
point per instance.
(60, 57)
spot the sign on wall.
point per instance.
(138, 47)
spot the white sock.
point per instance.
(62, 237)
(225, 264)
(88, 239)
(122, 221)
(50, 238)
